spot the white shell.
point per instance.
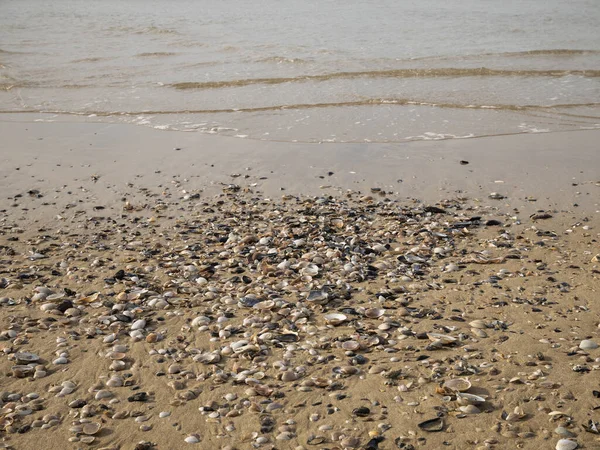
(138, 324)
(480, 324)
(374, 313)
(587, 344)
(457, 384)
(91, 428)
(350, 345)
(566, 444)
(444, 338)
(469, 399)
(335, 318)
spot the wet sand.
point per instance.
(287, 296)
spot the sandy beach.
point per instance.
(166, 290)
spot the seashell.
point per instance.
(117, 365)
(338, 223)
(457, 384)
(480, 324)
(432, 425)
(138, 325)
(443, 338)
(200, 320)
(289, 375)
(350, 345)
(587, 344)
(91, 428)
(335, 319)
(310, 270)
(517, 414)
(348, 370)
(266, 305)
(88, 299)
(116, 355)
(22, 371)
(469, 399)
(374, 313)
(287, 337)
(54, 297)
(115, 382)
(102, 394)
(208, 358)
(174, 369)
(470, 409)
(566, 444)
(350, 442)
(72, 312)
(192, 440)
(26, 357)
(479, 332)
(318, 296)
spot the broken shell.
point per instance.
(319, 296)
(335, 318)
(443, 338)
(311, 270)
(432, 425)
(457, 384)
(469, 399)
(22, 371)
(470, 409)
(26, 357)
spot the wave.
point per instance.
(555, 51)
(392, 73)
(281, 60)
(155, 54)
(366, 102)
(91, 59)
(145, 30)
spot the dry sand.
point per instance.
(213, 265)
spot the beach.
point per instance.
(282, 225)
(171, 290)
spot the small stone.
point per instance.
(60, 360)
(192, 439)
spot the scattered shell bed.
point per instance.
(356, 322)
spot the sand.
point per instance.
(186, 217)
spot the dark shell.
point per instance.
(432, 425)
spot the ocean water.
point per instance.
(311, 71)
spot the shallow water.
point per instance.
(388, 71)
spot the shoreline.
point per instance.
(557, 169)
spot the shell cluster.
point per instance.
(349, 323)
